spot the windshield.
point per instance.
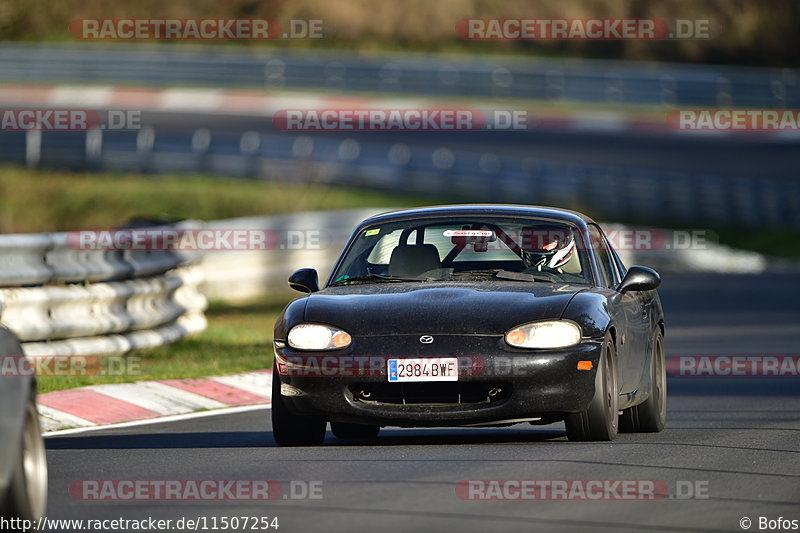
(466, 249)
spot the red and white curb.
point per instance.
(101, 405)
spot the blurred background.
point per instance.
(747, 33)
(200, 148)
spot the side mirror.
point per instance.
(639, 278)
(304, 280)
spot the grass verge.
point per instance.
(52, 200)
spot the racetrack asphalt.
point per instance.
(733, 440)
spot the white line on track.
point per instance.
(160, 420)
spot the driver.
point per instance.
(547, 248)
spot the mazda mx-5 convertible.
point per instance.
(471, 315)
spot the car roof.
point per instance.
(486, 210)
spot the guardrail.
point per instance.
(69, 311)
(60, 300)
(430, 74)
(34, 259)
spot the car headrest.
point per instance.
(412, 260)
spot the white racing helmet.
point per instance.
(547, 247)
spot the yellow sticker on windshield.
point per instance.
(371, 232)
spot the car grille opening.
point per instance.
(442, 393)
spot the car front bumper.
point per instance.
(497, 384)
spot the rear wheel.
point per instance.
(293, 430)
(599, 421)
(650, 416)
(343, 430)
(26, 495)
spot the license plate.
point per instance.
(442, 369)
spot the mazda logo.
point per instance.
(426, 339)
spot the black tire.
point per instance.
(343, 430)
(650, 416)
(293, 430)
(599, 422)
(26, 495)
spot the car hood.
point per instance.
(484, 308)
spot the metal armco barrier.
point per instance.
(69, 311)
(23, 259)
(430, 74)
(35, 259)
(118, 344)
(60, 300)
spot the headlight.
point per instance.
(554, 334)
(318, 337)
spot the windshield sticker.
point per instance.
(371, 232)
(468, 233)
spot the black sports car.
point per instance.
(471, 315)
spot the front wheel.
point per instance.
(650, 416)
(600, 420)
(293, 430)
(26, 495)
